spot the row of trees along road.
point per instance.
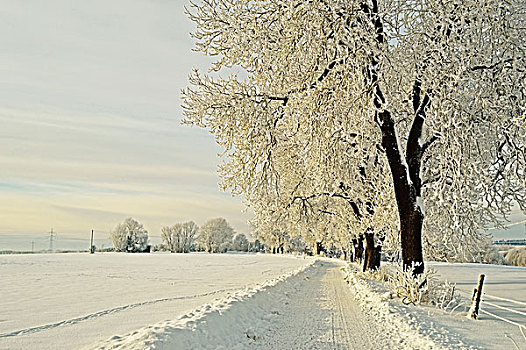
(216, 235)
(340, 117)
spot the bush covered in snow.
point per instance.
(423, 288)
(517, 256)
(240, 243)
(224, 247)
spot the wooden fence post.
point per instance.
(475, 300)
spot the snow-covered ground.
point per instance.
(505, 286)
(313, 309)
(70, 301)
(504, 299)
(450, 328)
(238, 301)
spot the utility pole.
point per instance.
(52, 236)
(91, 248)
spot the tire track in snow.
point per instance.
(351, 329)
(102, 313)
(318, 312)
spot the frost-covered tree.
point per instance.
(240, 243)
(169, 238)
(129, 236)
(257, 246)
(213, 234)
(396, 105)
(180, 237)
(296, 245)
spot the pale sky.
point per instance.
(90, 123)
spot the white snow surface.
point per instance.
(239, 301)
(427, 327)
(313, 309)
(408, 323)
(504, 286)
(71, 301)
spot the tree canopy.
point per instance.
(345, 115)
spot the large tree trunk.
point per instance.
(411, 240)
(409, 212)
(369, 249)
(352, 253)
(405, 171)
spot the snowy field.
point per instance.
(71, 301)
(503, 306)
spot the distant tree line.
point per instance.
(215, 236)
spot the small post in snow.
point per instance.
(475, 300)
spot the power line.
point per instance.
(52, 237)
(91, 247)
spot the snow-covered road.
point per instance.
(320, 313)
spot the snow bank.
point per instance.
(229, 321)
(503, 291)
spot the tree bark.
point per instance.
(411, 240)
(405, 171)
(354, 244)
